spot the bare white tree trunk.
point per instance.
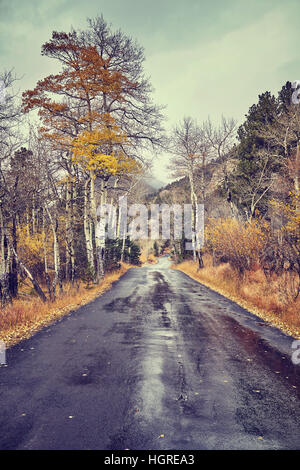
(47, 276)
(70, 252)
(88, 229)
(5, 263)
(99, 232)
(194, 208)
(57, 269)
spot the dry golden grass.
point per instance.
(151, 259)
(23, 318)
(146, 257)
(265, 298)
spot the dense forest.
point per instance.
(96, 117)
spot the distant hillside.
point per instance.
(216, 204)
(152, 185)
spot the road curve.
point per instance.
(157, 362)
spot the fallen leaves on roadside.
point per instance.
(23, 319)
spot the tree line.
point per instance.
(96, 119)
(89, 127)
(258, 167)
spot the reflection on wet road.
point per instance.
(158, 362)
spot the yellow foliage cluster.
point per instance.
(95, 151)
(30, 246)
(290, 211)
(236, 242)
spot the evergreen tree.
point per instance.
(252, 178)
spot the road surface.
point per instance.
(157, 362)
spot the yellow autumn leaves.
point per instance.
(100, 150)
(242, 243)
(230, 239)
(290, 211)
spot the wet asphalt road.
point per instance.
(158, 354)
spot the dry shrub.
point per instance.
(151, 259)
(288, 286)
(147, 255)
(238, 243)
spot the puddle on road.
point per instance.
(161, 343)
(257, 347)
(152, 389)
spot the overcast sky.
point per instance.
(204, 57)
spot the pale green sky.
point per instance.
(204, 57)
